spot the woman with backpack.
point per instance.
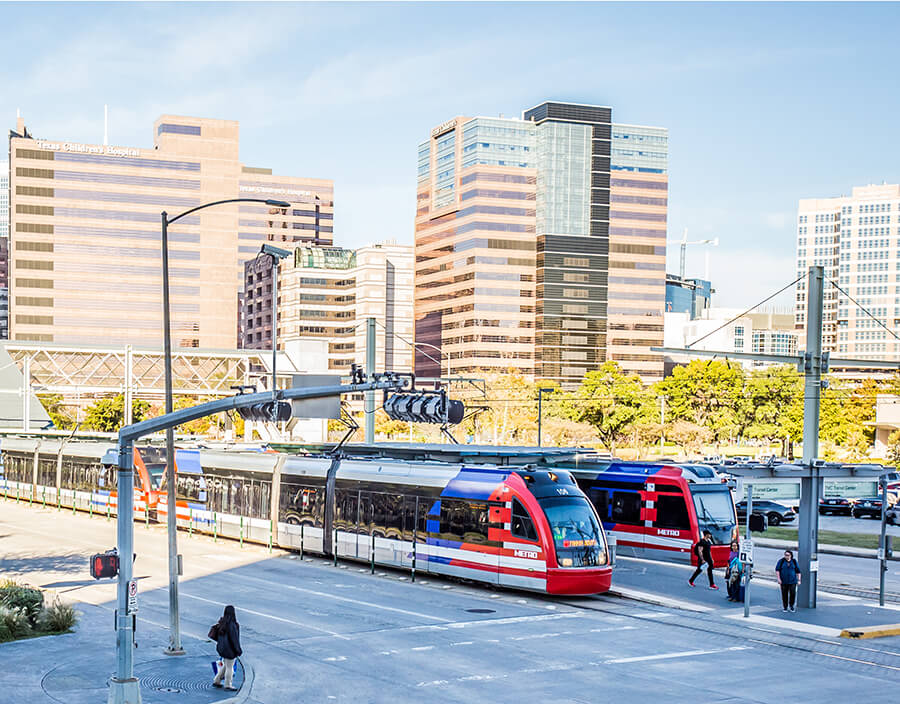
(788, 572)
(227, 634)
(733, 573)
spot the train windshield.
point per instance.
(577, 534)
(715, 511)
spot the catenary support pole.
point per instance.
(26, 395)
(811, 487)
(370, 370)
(124, 687)
(129, 384)
(174, 647)
(540, 415)
(274, 331)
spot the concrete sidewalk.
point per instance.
(75, 668)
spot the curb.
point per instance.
(244, 694)
(824, 549)
(648, 598)
(892, 629)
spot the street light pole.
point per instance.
(174, 647)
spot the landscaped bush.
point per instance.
(20, 596)
(57, 618)
(23, 613)
(14, 622)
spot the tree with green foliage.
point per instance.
(773, 397)
(108, 414)
(60, 415)
(690, 436)
(609, 400)
(706, 393)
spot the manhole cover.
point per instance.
(169, 690)
(481, 611)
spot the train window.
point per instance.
(47, 471)
(671, 512)
(521, 525)
(465, 521)
(626, 507)
(600, 499)
(300, 504)
(346, 509)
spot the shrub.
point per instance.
(14, 622)
(19, 596)
(57, 618)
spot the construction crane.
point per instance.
(684, 245)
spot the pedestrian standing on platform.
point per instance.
(703, 551)
(788, 572)
(734, 573)
(228, 646)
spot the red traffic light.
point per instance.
(104, 565)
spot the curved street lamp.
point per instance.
(171, 511)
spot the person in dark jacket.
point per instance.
(228, 646)
(788, 573)
(703, 551)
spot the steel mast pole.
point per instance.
(882, 542)
(811, 487)
(174, 647)
(370, 370)
(124, 687)
(274, 332)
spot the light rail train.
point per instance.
(521, 527)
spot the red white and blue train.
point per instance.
(658, 510)
(522, 527)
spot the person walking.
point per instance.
(703, 551)
(788, 572)
(228, 646)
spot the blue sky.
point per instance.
(765, 103)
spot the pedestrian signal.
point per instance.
(758, 523)
(105, 565)
(267, 411)
(425, 407)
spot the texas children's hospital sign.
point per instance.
(105, 150)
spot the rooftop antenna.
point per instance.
(105, 125)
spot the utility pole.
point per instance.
(662, 423)
(748, 565)
(369, 406)
(882, 541)
(811, 488)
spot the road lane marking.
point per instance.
(265, 615)
(669, 656)
(358, 602)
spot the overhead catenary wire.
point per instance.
(751, 308)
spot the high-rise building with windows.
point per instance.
(85, 261)
(516, 242)
(327, 293)
(856, 239)
(4, 249)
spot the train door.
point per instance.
(525, 546)
(414, 532)
(627, 519)
(365, 523)
(669, 534)
(346, 517)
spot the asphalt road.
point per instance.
(317, 633)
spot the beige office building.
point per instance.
(85, 262)
(327, 293)
(855, 238)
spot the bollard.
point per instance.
(17, 493)
(191, 524)
(73, 502)
(44, 497)
(91, 505)
(59, 499)
(301, 541)
(146, 517)
(413, 579)
(107, 508)
(373, 552)
(215, 528)
(334, 550)
(242, 531)
(31, 500)
(270, 535)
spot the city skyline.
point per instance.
(740, 88)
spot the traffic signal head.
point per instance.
(104, 565)
(266, 411)
(424, 408)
